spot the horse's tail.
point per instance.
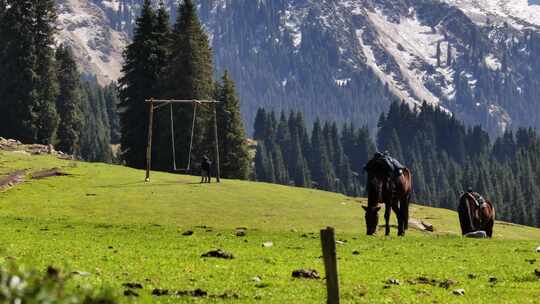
(467, 219)
(407, 197)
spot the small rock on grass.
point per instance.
(356, 252)
(197, 293)
(160, 292)
(306, 274)
(538, 249)
(218, 254)
(459, 292)
(447, 283)
(268, 244)
(240, 233)
(133, 285)
(130, 293)
(537, 272)
(188, 232)
(393, 282)
(262, 285)
(256, 279)
(493, 280)
(81, 273)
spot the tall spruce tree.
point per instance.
(47, 84)
(141, 70)
(68, 102)
(28, 85)
(95, 134)
(232, 139)
(321, 168)
(189, 76)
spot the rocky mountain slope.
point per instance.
(346, 60)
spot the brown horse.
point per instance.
(475, 216)
(395, 193)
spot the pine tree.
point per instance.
(438, 55)
(111, 99)
(141, 71)
(68, 102)
(47, 84)
(260, 124)
(95, 135)
(449, 55)
(321, 168)
(264, 168)
(233, 148)
(189, 76)
(27, 84)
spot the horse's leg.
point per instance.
(387, 218)
(404, 207)
(399, 215)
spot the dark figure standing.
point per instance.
(206, 164)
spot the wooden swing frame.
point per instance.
(155, 104)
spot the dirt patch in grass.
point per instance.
(48, 173)
(12, 179)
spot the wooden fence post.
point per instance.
(328, 242)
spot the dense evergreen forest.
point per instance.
(42, 97)
(445, 158)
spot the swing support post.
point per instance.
(155, 104)
(218, 173)
(149, 145)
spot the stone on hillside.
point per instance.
(459, 292)
(240, 233)
(268, 244)
(447, 283)
(428, 226)
(421, 225)
(393, 282)
(130, 293)
(218, 254)
(477, 234)
(306, 274)
(197, 293)
(133, 285)
(538, 249)
(160, 292)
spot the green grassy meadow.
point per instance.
(106, 221)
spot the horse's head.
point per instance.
(375, 187)
(376, 183)
(372, 218)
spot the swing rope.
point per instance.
(191, 139)
(192, 133)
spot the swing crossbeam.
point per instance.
(155, 104)
(181, 101)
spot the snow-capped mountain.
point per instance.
(348, 59)
(87, 28)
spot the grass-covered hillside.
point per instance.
(106, 223)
